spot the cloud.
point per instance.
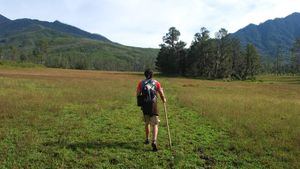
(144, 22)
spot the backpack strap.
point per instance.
(149, 81)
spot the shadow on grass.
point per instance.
(95, 145)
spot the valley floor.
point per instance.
(55, 118)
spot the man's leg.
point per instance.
(154, 136)
(147, 128)
(147, 131)
(154, 132)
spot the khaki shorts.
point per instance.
(152, 120)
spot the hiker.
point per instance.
(147, 97)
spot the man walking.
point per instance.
(147, 89)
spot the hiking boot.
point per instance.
(147, 141)
(154, 147)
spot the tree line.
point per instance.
(284, 62)
(219, 57)
(212, 58)
(83, 56)
(295, 57)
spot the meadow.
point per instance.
(57, 118)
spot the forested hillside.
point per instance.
(273, 36)
(55, 44)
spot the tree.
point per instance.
(295, 58)
(223, 60)
(41, 51)
(238, 64)
(1, 57)
(171, 37)
(279, 61)
(171, 54)
(37, 56)
(200, 54)
(14, 53)
(180, 51)
(252, 62)
(23, 57)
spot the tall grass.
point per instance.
(262, 119)
(54, 118)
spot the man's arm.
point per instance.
(162, 95)
(161, 92)
(138, 92)
(138, 89)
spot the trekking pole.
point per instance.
(170, 142)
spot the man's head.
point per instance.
(148, 73)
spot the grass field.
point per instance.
(54, 118)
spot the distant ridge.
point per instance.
(3, 19)
(13, 26)
(56, 44)
(272, 34)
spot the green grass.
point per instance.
(52, 118)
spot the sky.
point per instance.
(143, 23)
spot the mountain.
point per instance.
(3, 19)
(56, 44)
(19, 25)
(272, 35)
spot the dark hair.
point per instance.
(148, 73)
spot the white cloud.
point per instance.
(144, 22)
